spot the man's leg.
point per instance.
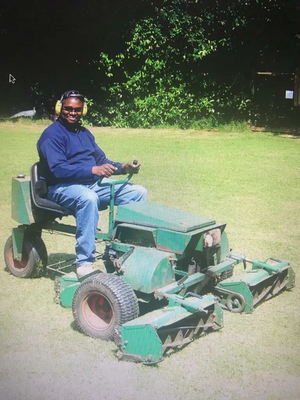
(85, 204)
(124, 194)
(129, 193)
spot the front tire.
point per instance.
(34, 257)
(102, 303)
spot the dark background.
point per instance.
(51, 46)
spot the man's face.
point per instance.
(71, 111)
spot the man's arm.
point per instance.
(106, 167)
(109, 169)
(53, 152)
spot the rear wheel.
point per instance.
(102, 303)
(34, 257)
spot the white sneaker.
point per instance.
(84, 269)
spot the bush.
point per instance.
(159, 81)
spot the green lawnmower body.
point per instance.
(162, 254)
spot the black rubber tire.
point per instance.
(34, 257)
(236, 302)
(101, 304)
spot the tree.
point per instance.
(193, 59)
(161, 77)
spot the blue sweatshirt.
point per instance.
(68, 156)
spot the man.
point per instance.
(71, 163)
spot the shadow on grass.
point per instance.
(290, 133)
(58, 265)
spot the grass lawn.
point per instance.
(249, 180)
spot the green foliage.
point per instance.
(189, 63)
(158, 80)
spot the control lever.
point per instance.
(134, 162)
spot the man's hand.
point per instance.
(104, 170)
(131, 168)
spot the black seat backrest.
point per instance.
(39, 192)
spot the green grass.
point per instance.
(249, 180)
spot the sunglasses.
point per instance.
(69, 109)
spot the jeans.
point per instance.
(84, 202)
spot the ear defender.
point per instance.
(66, 95)
(58, 107)
(85, 109)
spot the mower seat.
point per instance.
(39, 192)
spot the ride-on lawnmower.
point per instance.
(153, 254)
